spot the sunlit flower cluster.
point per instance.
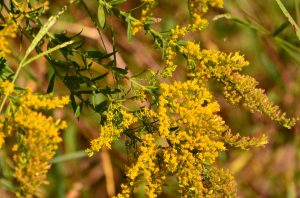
(147, 165)
(185, 144)
(242, 88)
(182, 134)
(201, 6)
(225, 68)
(145, 15)
(7, 32)
(36, 136)
(117, 120)
(197, 10)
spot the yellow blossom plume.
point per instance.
(186, 143)
(117, 121)
(36, 135)
(7, 31)
(182, 134)
(145, 15)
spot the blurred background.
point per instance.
(257, 29)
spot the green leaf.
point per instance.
(101, 107)
(47, 52)
(119, 71)
(78, 111)
(68, 156)
(129, 29)
(115, 2)
(95, 54)
(5, 71)
(116, 11)
(280, 28)
(99, 77)
(73, 82)
(51, 84)
(238, 20)
(101, 16)
(73, 102)
(290, 18)
(43, 31)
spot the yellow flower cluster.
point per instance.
(243, 88)
(6, 128)
(6, 88)
(192, 129)
(225, 68)
(170, 50)
(201, 6)
(48, 102)
(117, 121)
(184, 135)
(222, 183)
(197, 10)
(147, 164)
(8, 31)
(2, 135)
(36, 136)
(145, 15)
(186, 143)
(125, 192)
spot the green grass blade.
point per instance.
(47, 52)
(69, 156)
(289, 17)
(43, 31)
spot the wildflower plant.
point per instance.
(173, 128)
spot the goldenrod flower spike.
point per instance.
(117, 121)
(36, 135)
(8, 31)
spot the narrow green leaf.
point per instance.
(47, 52)
(238, 20)
(94, 99)
(101, 107)
(129, 29)
(95, 54)
(116, 11)
(68, 156)
(99, 77)
(73, 102)
(5, 71)
(280, 28)
(290, 18)
(78, 111)
(101, 16)
(43, 31)
(51, 84)
(115, 2)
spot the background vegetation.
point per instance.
(258, 29)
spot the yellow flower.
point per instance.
(8, 32)
(117, 121)
(36, 135)
(137, 25)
